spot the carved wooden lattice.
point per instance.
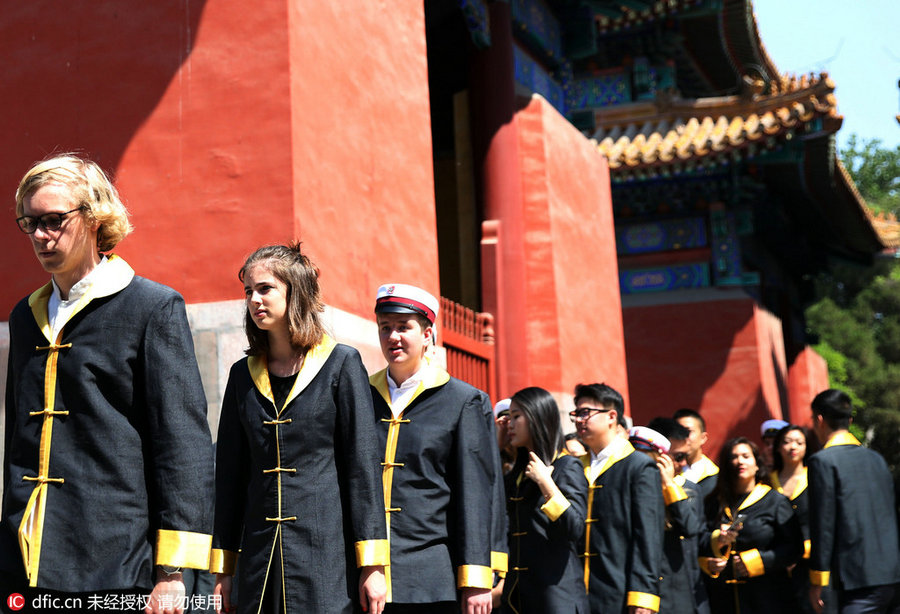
(468, 337)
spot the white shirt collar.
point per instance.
(600, 458)
(59, 310)
(81, 286)
(402, 395)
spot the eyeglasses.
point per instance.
(586, 413)
(48, 221)
(680, 457)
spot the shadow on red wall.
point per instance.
(79, 76)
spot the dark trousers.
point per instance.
(870, 600)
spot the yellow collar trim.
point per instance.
(842, 438)
(117, 276)
(432, 377)
(709, 468)
(618, 453)
(759, 491)
(312, 364)
(802, 483)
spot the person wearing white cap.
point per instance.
(682, 590)
(441, 469)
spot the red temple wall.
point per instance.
(574, 330)
(724, 358)
(808, 376)
(361, 145)
(228, 129)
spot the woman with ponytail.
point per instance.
(298, 490)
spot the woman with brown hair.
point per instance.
(753, 536)
(298, 492)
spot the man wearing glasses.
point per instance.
(626, 513)
(108, 457)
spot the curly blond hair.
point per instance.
(89, 187)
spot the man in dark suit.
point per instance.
(108, 461)
(853, 524)
(626, 513)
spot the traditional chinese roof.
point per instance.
(888, 229)
(644, 138)
(617, 15)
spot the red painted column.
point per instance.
(807, 377)
(494, 106)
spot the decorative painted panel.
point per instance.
(726, 249)
(685, 196)
(661, 236)
(663, 279)
(475, 12)
(532, 76)
(654, 79)
(535, 22)
(600, 91)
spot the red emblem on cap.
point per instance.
(390, 290)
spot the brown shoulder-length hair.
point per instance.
(726, 485)
(301, 276)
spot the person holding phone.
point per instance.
(752, 537)
(546, 494)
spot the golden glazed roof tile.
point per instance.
(672, 131)
(886, 226)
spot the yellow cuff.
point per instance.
(555, 507)
(183, 549)
(807, 546)
(673, 494)
(373, 552)
(474, 576)
(500, 562)
(704, 566)
(753, 562)
(714, 544)
(222, 561)
(819, 578)
(643, 600)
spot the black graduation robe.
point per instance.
(545, 574)
(800, 574)
(107, 445)
(624, 538)
(440, 474)
(708, 477)
(681, 587)
(768, 543)
(852, 524)
(297, 490)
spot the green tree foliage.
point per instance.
(876, 171)
(857, 318)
